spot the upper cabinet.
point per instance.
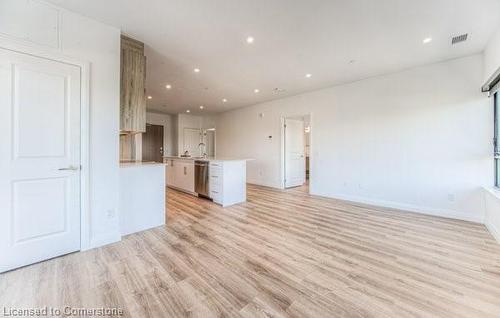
(132, 86)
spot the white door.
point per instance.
(192, 138)
(210, 143)
(40, 159)
(295, 164)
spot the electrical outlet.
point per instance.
(451, 197)
(110, 213)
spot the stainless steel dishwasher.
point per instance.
(201, 178)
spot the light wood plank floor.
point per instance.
(281, 254)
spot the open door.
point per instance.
(295, 165)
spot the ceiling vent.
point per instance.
(459, 38)
(279, 90)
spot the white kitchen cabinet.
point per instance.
(185, 175)
(226, 178)
(227, 181)
(180, 174)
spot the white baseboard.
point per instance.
(450, 214)
(182, 190)
(495, 232)
(104, 239)
(264, 184)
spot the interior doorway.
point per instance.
(152, 143)
(296, 151)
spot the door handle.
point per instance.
(71, 168)
(185, 170)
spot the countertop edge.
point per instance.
(207, 159)
(141, 164)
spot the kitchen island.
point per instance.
(142, 202)
(222, 180)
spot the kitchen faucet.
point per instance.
(203, 154)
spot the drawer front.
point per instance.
(215, 179)
(215, 186)
(215, 174)
(215, 165)
(215, 195)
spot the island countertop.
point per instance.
(131, 163)
(207, 159)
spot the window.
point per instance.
(496, 140)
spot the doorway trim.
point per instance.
(214, 129)
(55, 55)
(282, 148)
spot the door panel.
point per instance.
(39, 135)
(152, 143)
(192, 138)
(295, 166)
(39, 131)
(33, 195)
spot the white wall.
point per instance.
(492, 56)
(169, 131)
(418, 140)
(49, 28)
(192, 121)
(209, 121)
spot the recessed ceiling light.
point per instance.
(256, 90)
(150, 97)
(188, 111)
(168, 86)
(224, 100)
(196, 70)
(308, 75)
(250, 40)
(427, 40)
(201, 107)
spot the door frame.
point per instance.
(215, 138)
(162, 138)
(282, 149)
(57, 56)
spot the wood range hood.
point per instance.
(132, 98)
(132, 86)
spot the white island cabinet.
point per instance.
(227, 181)
(227, 178)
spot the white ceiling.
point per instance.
(292, 38)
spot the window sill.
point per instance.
(494, 191)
